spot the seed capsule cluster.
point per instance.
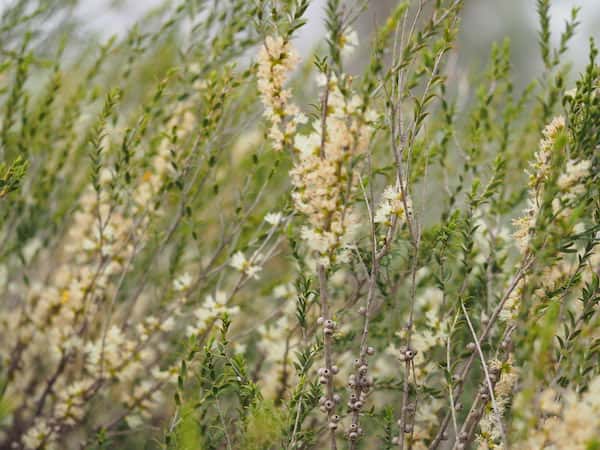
(360, 384)
(328, 402)
(406, 355)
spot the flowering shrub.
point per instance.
(380, 260)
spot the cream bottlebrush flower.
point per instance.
(320, 79)
(239, 262)
(540, 168)
(349, 42)
(322, 175)
(102, 227)
(538, 173)
(276, 60)
(274, 218)
(392, 205)
(507, 381)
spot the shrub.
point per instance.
(207, 241)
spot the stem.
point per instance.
(485, 371)
(484, 334)
(327, 343)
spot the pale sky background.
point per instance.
(484, 21)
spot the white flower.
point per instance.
(183, 282)
(211, 309)
(252, 271)
(392, 204)
(321, 79)
(301, 118)
(349, 42)
(371, 115)
(273, 218)
(40, 433)
(320, 242)
(308, 145)
(574, 172)
(383, 213)
(239, 262)
(168, 324)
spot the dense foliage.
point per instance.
(209, 242)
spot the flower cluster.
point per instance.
(569, 420)
(174, 267)
(504, 377)
(323, 176)
(276, 59)
(393, 206)
(571, 184)
(541, 169)
(213, 308)
(57, 330)
(249, 267)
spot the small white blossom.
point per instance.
(183, 282)
(274, 218)
(210, 310)
(239, 262)
(574, 172)
(39, 434)
(349, 42)
(392, 205)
